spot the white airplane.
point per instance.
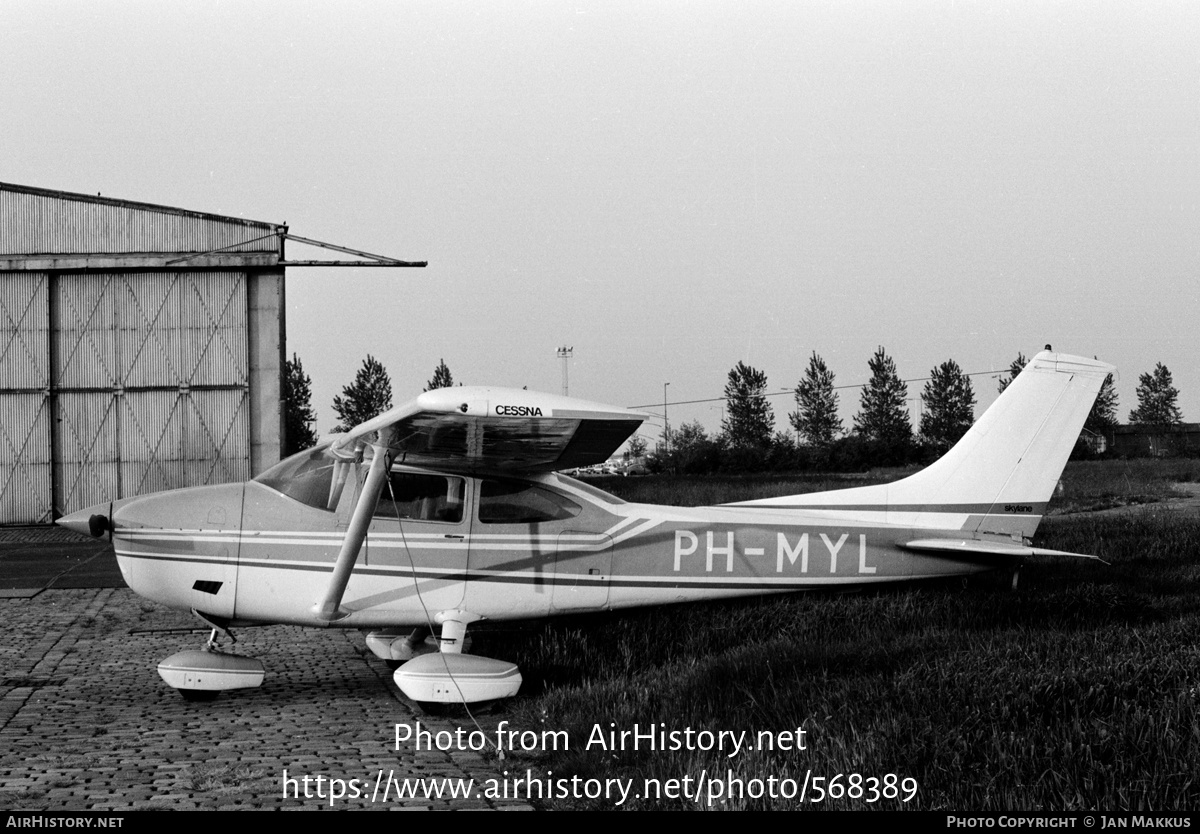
(448, 510)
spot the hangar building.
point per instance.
(141, 349)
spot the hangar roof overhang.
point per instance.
(41, 229)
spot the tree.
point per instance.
(1104, 410)
(1015, 368)
(369, 395)
(441, 377)
(637, 448)
(691, 451)
(299, 419)
(949, 402)
(1157, 399)
(816, 416)
(883, 415)
(749, 420)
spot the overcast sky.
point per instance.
(669, 188)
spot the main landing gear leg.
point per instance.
(393, 647)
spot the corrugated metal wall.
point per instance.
(33, 222)
(149, 373)
(123, 369)
(87, 457)
(25, 460)
(164, 354)
(25, 483)
(150, 329)
(23, 326)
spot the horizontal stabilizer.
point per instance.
(965, 548)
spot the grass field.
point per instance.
(1079, 691)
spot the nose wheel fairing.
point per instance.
(200, 674)
(210, 670)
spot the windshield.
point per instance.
(313, 477)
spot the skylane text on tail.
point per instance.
(449, 510)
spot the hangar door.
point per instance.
(145, 388)
(25, 462)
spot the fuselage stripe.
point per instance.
(1026, 508)
(542, 578)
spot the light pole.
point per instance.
(666, 422)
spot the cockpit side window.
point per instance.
(517, 502)
(422, 497)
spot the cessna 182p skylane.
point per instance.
(448, 510)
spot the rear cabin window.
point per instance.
(513, 502)
(584, 486)
(421, 498)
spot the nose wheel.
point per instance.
(199, 695)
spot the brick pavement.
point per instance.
(86, 722)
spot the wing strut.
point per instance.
(329, 608)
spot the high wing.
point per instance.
(479, 428)
(470, 429)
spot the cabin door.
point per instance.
(416, 548)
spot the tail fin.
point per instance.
(999, 477)
(1010, 461)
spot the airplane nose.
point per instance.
(91, 521)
